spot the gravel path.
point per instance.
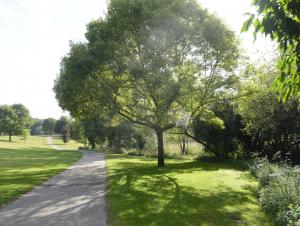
(73, 198)
(49, 140)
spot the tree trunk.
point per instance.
(183, 146)
(117, 144)
(187, 145)
(160, 148)
(9, 134)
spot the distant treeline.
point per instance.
(15, 120)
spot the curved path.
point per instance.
(50, 143)
(73, 198)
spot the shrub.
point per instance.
(262, 170)
(65, 134)
(279, 190)
(293, 215)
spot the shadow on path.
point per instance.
(74, 197)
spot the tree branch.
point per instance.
(197, 140)
(135, 121)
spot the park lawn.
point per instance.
(23, 166)
(185, 192)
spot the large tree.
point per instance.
(149, 62)
(13, 119)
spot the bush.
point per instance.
(279, 190)
(65, 133)
(262, 170)
(293, 215)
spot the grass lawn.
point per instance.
(183, 193)
(23, 166)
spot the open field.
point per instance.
(183, 193)
(25, 165)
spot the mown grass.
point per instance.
(185, 192)
(23, 166)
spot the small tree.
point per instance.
(25, 134)
(182, 141)
(65, 133)
(13, 119)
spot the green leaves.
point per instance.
(14, 118)
(247, 23)
(280, 19)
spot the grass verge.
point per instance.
(183, 193)
(26, 165)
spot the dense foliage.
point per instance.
(37, 127)
(272, 126)
(60, 124)
(48, 126)
(94, 133)
(280, 190)
(280, 19)
(222, 133)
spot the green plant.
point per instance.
(262, 169)
(293, 215)
(280, 190)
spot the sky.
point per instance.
(35, 35)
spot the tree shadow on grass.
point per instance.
(141, 194)
(7, 141)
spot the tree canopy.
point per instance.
(149, 62)
(13, 119)
(60, 124)
(48, 126)
(280, 19)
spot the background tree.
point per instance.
(7, 120)
(94, 131)
(13, 119)
(65, 133)
(48, 126)
(182, 141)
(144, 61)
(280, 20)
(37, 127)
(77, 131)
(60, 124)
(222, 132)
(25, 134)
(272, 126)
